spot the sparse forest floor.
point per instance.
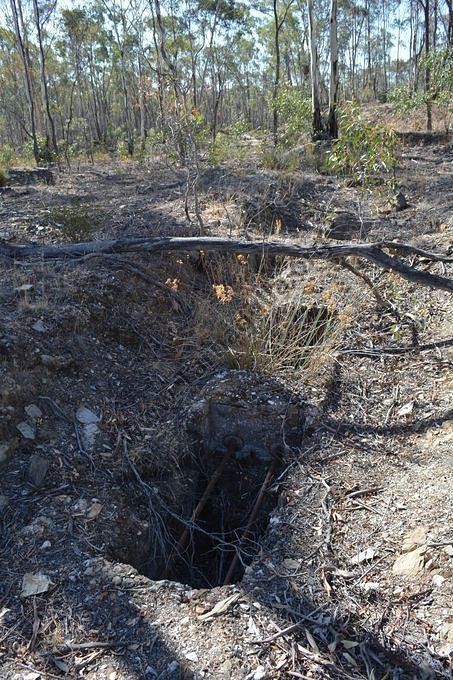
(134, 339)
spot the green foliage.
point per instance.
(364, 151)
(154, 139)
(403, 100)
(6, 154)
(440, 64)
(239, 127)
(44, 153)
(229, 143)
(227, 147)
(3, 177)
(294, 108)
(74, 223)
(122, 149)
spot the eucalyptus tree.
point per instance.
(314, 72)
(333, 87)
(42, 13)
(23, 46)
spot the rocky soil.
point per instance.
(105, 368)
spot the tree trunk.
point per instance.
(315, 99)
(141, 99)
(450, 23)
(277, 27)
(43, 79)
(333, 89)
(429, 122)
(23, 50)
(372, 252)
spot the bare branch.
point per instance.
(372, 252)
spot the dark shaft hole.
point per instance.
(229, 528)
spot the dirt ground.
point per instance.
(347, 573)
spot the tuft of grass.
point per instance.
(3, 178)
(241, 319)
(73, 223)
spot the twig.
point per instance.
(382, 351)
(364, 492)
(36, 624)
(288, 629)
(361, 275)
(77, 646)
(232, 447)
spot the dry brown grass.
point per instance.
(270, 322)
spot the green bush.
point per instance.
(227, 147)
(364, 151)
(122, 149)
(275, 158)
(6, 154)
(44, 152)
(405, 101)
(3, 177)
(154, 139)
(294, 109)
(440, 63)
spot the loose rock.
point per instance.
(33, 411)
(38, 469)
(27, 430)
(86, 416)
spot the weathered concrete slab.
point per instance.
(257, 409)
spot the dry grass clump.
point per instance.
(271, 323)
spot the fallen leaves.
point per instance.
(409, 564)
(94, 511)
(412, 559)
(363, 556)
(406, 409)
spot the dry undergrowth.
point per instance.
(263, 316)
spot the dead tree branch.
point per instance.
(372, 252)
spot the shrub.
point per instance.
(44, 152)
(364, 151)
(3, 177)
(405, 101)
(122, 149)
(294, 109)
(275, 158)
(228, 146)
(240, 323)
(440, 63)
(6, 154)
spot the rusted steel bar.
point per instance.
(233, 444)
(253, 515)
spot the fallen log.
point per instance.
(372, 252)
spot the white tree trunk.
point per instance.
(333, 88)
(315, 99)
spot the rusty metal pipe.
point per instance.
(232, 444)
(253, 515)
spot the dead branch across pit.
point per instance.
(372, 252)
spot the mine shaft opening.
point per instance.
(231, 505)
(208, 513)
